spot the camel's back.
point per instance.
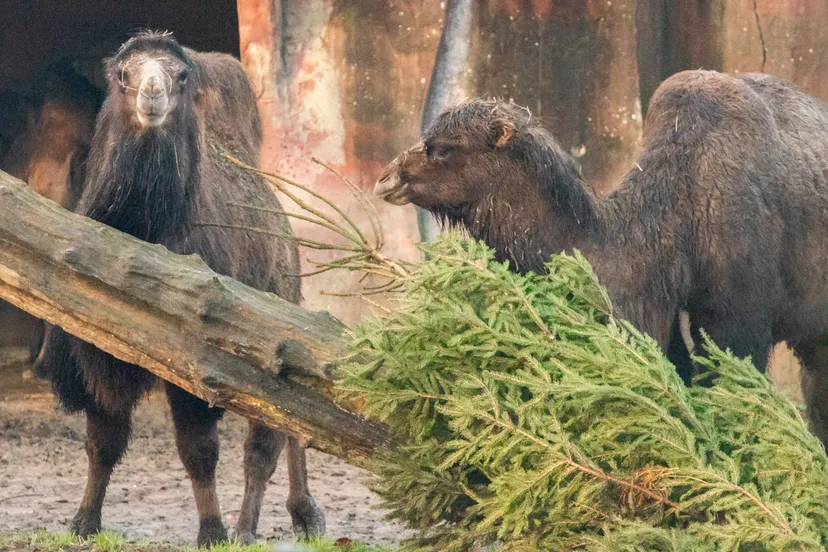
(754, 122)
(228, 104)
(261, 258)
(802, 119)
(754, 153)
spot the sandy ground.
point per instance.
(43, 470)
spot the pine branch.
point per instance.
(585, 441)
(535, 418)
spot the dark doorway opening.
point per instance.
(37, 33)
(51, 55)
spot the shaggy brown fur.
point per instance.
(154, 171)
(724, 215)
(53, 132)
(50, 154)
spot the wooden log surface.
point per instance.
(236, 347)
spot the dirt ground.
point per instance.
(43, 470)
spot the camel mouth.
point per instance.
(392, 190)
(151, 119)
(152, 112)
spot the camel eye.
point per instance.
(442, 152)
(182, 77)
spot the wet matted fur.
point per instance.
(155, 171)
(725, 214)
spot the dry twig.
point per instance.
(364, 256)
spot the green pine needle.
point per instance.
(530, 417)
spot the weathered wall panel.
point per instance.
(573, 63)
(785, 38)
(343, 82)
(346, 80)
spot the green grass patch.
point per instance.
(108, 541)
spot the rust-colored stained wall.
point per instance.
(343, 82)
(573, 63)
(786, 39)
(346, 80)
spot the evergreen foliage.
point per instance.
(528, 415)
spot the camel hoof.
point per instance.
(211, 531)
(245, 538)
(308, 518)
(86, 523)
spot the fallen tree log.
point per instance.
(236, 347)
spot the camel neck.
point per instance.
(548, 209)
(142, 184)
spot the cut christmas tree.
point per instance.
(532, 419)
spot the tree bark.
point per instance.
(236, 347)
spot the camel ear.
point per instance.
(502, 132)
(111, 68)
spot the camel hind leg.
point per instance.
(678, 352)
(308, 518)
(261, 452)
(813, 356)
(107, 436)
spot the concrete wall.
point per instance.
(346, 80)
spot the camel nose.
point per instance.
(152, 88)
(391, 187)
(385, 183)
(153, 101)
